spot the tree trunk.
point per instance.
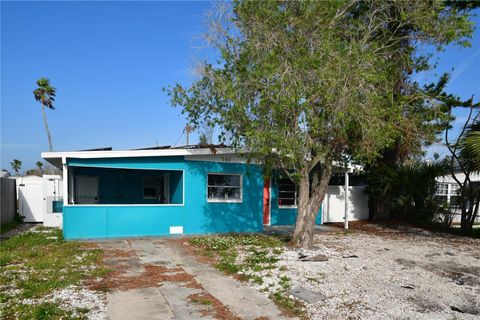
(309, 204)
(468, 216)
(50, 148)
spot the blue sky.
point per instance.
(109, 62)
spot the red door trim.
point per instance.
(266, 201)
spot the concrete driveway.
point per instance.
(154, 278)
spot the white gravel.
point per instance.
(397, 275)
(77, 300)
(74, 298)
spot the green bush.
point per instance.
(406, 191)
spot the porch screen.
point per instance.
(224, 187)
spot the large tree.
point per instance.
(423, 114)
(301, 85)
(45, 94)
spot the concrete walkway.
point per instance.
(155, 279)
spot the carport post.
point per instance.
(346, 199)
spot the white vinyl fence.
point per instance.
(334, 204)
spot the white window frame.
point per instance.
(451, 190)
(446, 189)
(294, 206)
(217, 200)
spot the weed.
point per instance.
(287, 304)
(257, 279)
(225, 248)
(285, 282)
(259, 253)
(202, 301)
(35, 264)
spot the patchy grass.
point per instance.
(290, 306)
(251, 258)
(224, 250)
(201, 300)
(35, 264)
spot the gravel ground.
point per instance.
(74, 298)
(379, 273)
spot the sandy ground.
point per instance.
(379, 273)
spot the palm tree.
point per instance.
(470, 147)
(45, 94)
(39, 166)
(16, 165)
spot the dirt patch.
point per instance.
(425, 305)
(217, 309)
(151, 276)
(458, 273)
(399, 230)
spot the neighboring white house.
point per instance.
(447, 189)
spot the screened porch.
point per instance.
(110, 186)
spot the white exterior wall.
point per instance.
(334, 204)
(52, 189)
(460, 176)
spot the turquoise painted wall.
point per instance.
(284, 216)
(176, 187)
(197, 216)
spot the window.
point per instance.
(442, 189)
(149, 187)
(224, 187)
(447, 192)
(287, 193)
(442, 192)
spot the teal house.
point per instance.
(165, 191)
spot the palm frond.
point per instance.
(470, 147)
(45, 93)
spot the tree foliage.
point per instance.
(408, 189)
(16, 165)
(299, 83)
(470, 146)
(464, 160)
(45, 94)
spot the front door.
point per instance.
(266, 201)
